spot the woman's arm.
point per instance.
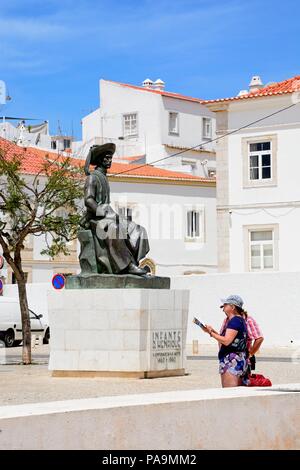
(225, 340)
(255, 346)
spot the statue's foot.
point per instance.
(133, 269)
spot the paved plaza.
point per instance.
(34, 383)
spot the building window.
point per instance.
(260, 161)
(206, 128)
(53, 144)
(261, 250)
(190, 166)
(67, 144)
(173, 124)
(130, 125)
(193, 224)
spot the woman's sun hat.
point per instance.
(233, 300)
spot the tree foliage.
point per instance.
(47, 203)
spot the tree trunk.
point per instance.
(26, 330)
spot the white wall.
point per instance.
(272, 298)
(243, 112)
(43, 273)
(10, 132)
(288, 169)
(153, 124)
(288, 220)
(91, 126)
(279, 204)
(286, 125)
(161, 208)
(190, 122)
(189, 419)
(166, 232)
(189, 161)
(39, 244)
(116, 100)
(36, 294)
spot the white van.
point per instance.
(11, 325)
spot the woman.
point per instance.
(233, 343)
(254, 337)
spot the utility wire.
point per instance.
(206, 142)
(276, 216)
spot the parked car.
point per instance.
(11, 324)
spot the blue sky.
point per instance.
(53, 52)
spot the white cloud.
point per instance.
(78, 32)
(28, 29)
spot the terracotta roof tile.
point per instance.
(130, 159)
(153, 172)
(33, 159)
(279, 88)
(159, 92)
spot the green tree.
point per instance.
(43, 204)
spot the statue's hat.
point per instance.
(96, 153)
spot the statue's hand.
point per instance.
(102, 210)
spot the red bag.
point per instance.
(258, 380)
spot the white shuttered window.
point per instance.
(173, 123)
(261, 250)
(130, 125)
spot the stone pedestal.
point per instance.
(118, 332)
(116, 281)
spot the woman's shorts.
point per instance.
(235, 363)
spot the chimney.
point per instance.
(255, 84)
(147, 83)
(159, 85)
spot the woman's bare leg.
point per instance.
(229, 380)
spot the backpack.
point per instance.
(258, 380)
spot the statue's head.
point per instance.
(100, 155)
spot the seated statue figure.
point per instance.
(119, 244)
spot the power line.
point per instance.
(276, 216)
(207, 141)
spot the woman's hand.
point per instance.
(208, 329)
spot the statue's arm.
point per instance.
(91, 187)
(90, 194)
(102, 210)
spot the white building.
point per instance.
(258, 167)
(152, 123)
(177, 210)
(35, 135)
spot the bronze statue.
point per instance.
(116, 243)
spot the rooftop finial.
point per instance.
(255, 83)
(147, 83)
(159, 84)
